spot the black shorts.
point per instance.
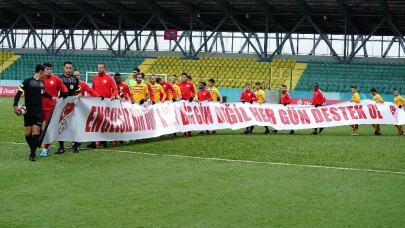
(33, 117)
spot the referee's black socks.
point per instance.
(29, 140)
(34, 143)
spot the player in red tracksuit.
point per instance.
(203, 94)
(248, 96)
(168, 88)
(53, 86)
(285, 100)
(123, 88)
(186, 88)
(85, 90)
(318, 99)
(104, 85)
(187, 92)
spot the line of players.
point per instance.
(43, 90)
(318, 99)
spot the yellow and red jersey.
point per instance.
(214, 93)
(356, 97)
(260, 96)
(378, 98)
(398, 100)
(178, 92)
(158, 92)
(139, 91)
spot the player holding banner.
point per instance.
(214, 91)
(187, 92)
(248, 96)
(285, 100)
(34, 90)
(158, 92)
(173, 80)
(85, 90)
(104, 85)
(139, 90)
(170, 92)
(261, 98)
(398, 100)
(356, 99)
(73, 86)
(318, 99)
(203, 95)
(53, 86)
(124, 92)
(378, 99)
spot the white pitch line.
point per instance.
(245, 161)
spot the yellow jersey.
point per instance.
(214, 93)
(158, 92)
(398, 100)
(178, 92)
(356, 97)
(139, 91)
(378, 98)
(260, 96)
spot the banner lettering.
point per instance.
(90, 119)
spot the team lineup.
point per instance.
(43, 90)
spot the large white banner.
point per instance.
(91, 119)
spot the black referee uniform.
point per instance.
(73, 86)
(34, 90)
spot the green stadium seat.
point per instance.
(339, 77)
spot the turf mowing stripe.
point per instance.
(244, 161)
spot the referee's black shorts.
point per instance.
(33, 116)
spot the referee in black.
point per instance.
(73, 85)
(34, 90)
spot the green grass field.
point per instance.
(223, 180)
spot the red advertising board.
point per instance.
(8, 91)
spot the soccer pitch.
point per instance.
(223, 180)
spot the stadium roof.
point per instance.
(328, 16)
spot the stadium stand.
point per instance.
(334, 77)
(228, 72)
(22, 68)
(6, 59)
